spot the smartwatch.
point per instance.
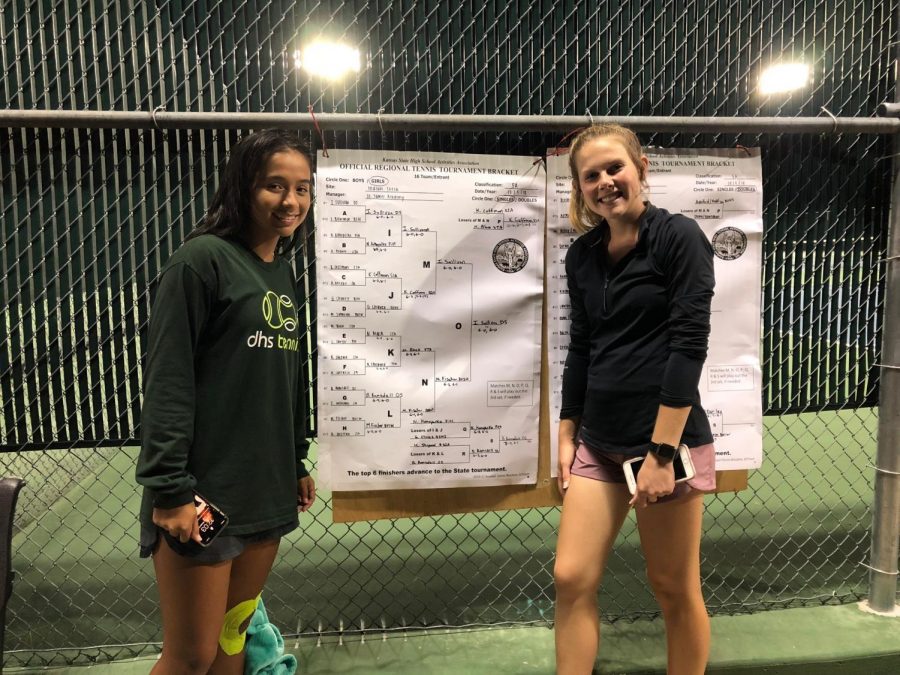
(664, 452)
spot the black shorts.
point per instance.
(224, 547)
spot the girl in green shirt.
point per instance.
(224, 406)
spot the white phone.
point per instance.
(682, 463)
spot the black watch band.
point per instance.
(664, 452)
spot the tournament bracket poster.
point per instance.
(429, 275)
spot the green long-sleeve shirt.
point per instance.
(223, 411)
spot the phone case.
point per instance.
(683, 457)
(211, 520)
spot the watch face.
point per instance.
(665, 451)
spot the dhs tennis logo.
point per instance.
(729, 243)
(278, 311)
(279, 314)
(510, 255)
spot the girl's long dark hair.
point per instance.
(229, 213)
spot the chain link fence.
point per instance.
(90, 216)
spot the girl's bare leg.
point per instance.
(192, 599)
(592, 515)
(249, 572)
(670, 538)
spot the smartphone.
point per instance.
(210, 519)
(682, 463)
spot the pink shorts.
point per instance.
(607, 467)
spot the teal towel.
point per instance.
(264, 651)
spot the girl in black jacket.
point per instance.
(640, 285)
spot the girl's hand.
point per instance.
(306, 493)
(654, 480)
(566, 458)
(180, 522)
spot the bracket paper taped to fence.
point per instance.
(429, 279)
(722, 190)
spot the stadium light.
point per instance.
(330, 60)
(783, 78)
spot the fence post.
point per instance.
(886, 509)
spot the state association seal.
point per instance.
(729, 243)
(510, 255)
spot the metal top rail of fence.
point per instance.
(162, 119)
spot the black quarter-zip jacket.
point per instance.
(639, 332)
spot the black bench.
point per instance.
(9, 492)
